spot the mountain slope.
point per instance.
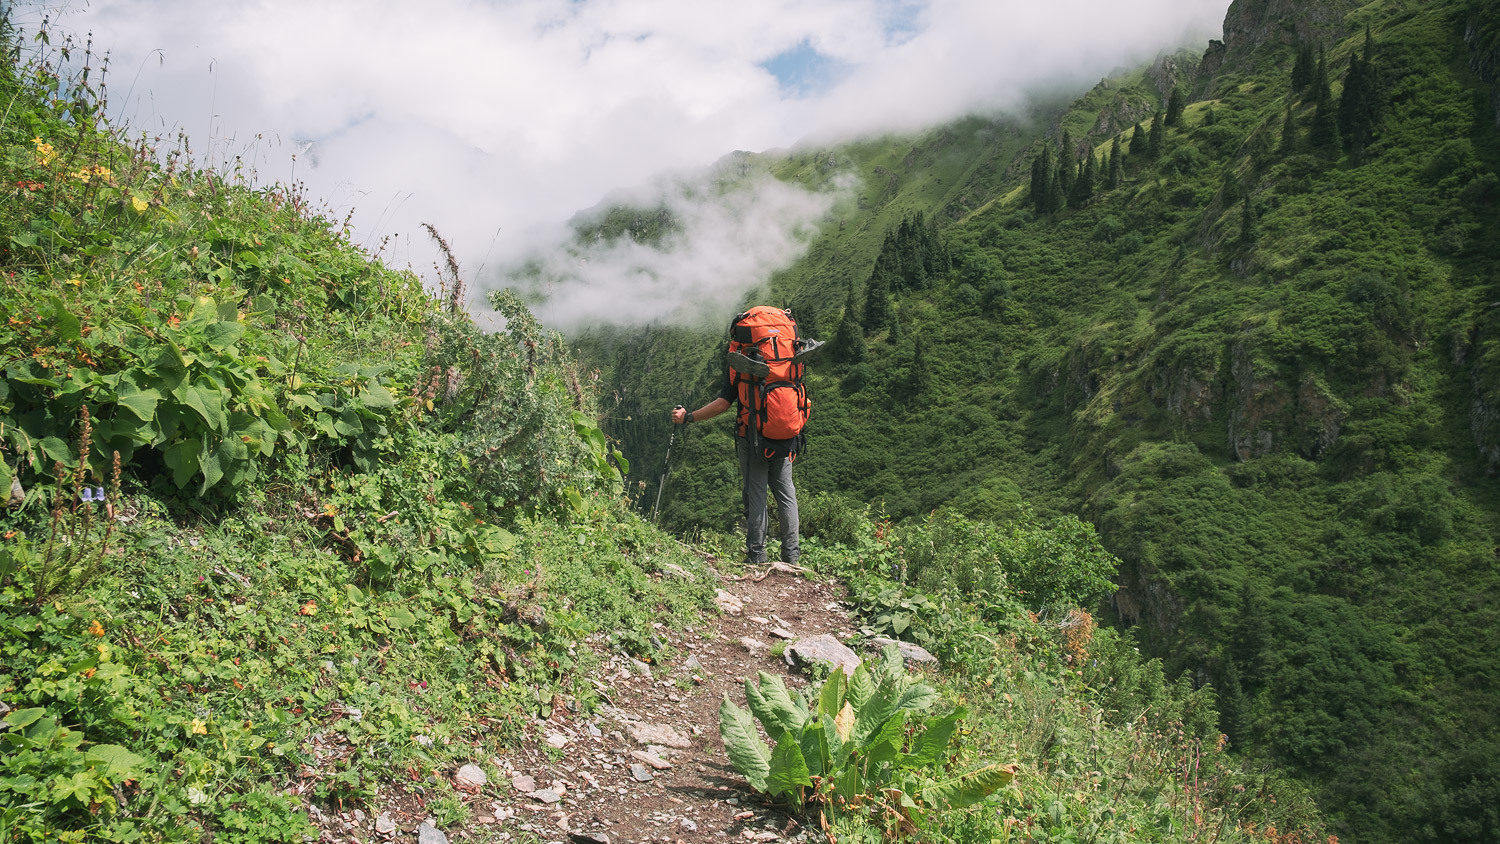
(1266, 365)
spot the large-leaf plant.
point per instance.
(857, 745)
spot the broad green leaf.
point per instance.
(931, 747)
(833, 744)
(354, 594)
(400, 618)
(24, 717)
(141, 403)
(56, 449)
(211, 463)
(831, 697)
(917, 698)
(223, 334)
(788, 768)
(182, 458)
(814, 748)
(64, 323)
(377, 397)
(117, 762)
(885, 745)
(968, 788)
(209, 404)
(773, 705)
(5, 477)
(748, 753)
(861, 686)
(348, 423)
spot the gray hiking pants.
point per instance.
(758, 473)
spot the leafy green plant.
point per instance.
(858, 746)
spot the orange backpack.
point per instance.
(765, 367)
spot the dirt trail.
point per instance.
(650, 765)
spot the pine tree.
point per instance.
(1138, 141)
(1116, 165)
(1083, 189)
(1158, 137)
(849, 342)
(1175, 104)
(877, 315)
(895, 335)
(1208, 116)
(1359, 104)
(919, 377)
(1067, 171)
(1323, 135)
(1288, 130)
(1041, 178)
(1302, 70)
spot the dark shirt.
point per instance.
(727, 392)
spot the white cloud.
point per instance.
(486, 115)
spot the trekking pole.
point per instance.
(667, 464)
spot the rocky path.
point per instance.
(649, 766)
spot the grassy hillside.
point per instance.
(287, 539)
(1264, 365)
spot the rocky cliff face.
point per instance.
(1482, 35)
(1250, 25)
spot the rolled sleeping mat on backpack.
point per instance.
(806, 348)
(745, 366)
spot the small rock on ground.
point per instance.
(472, 776)
(659, 734)
(429, 834)
(912, 653)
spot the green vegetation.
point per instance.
(1102, 745)
(1263, 364)
(288, 532)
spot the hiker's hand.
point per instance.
(679, 415)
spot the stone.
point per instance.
(429, 834)
(693, 664)
(678, 571)
(758, 619)
(595, 731)
(545, 795)
(822, 648)
(752, 645)
(651, 759)
(910, 652)
(471, 776)
(640, 772)
(384, 825)
(523, 783)
(659, 734)
(728, 604)
(783, 633)
(557, 740)
(588, 838)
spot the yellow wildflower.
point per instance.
(96, 628)
(44, 152)
(95, 172)
(199, 728)
(138, 204)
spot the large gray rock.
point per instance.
(910, 652)
(429, 834)
(471, 776)
(822, 649)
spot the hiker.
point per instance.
(763, 374)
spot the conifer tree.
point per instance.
(1359, 104)
(1054, 192)
(849, 342)
(1302, 70)
(1041, 177)
(1083, 189)
(1158, 138)
(1116, 166)
(1288, 130)
(1323, 135)
(1247, 223)
(1208, 116)
(877, 315)
(895, 335)
(919, 377)
(1176, 102)
(1137, 141)
(1067, 165)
